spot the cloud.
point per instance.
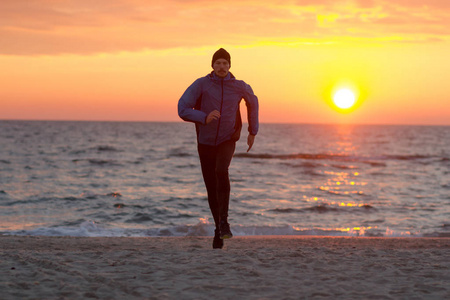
(50, 27)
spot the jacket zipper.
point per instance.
(221, 104)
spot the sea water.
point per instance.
(144, 179)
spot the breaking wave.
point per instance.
(83, 228)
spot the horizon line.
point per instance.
(181, 121)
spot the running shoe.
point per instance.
(225, 231)
(217, 241)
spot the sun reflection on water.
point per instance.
(351, 231)
(344, 187)
(325, 201)
(340, 184)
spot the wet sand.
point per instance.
(260, 267)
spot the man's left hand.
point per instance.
(250, 141)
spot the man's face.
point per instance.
(221, 67)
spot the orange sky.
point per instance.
(132, 60)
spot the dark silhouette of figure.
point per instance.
(212, 103)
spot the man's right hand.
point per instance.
(214, 115)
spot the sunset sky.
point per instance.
(132, 60)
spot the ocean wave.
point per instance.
(324, 209)
(203, 228)
(178, 152)
(98, 162)
(41, 200)
(73, 223)
(343, 167)
(101, 148)
(371, 160)
(107, 148)
(139, 218)
(114, 194)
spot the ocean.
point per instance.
(143, 179)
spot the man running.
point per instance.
(212, 103)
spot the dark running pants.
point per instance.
(215, 161)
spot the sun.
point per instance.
(344, 98)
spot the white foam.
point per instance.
(203, 228)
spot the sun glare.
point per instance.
(344, 98)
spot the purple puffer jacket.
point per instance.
(214, 93)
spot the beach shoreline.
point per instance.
(251, 267)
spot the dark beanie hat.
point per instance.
(221, 53)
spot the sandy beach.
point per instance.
(269, 267)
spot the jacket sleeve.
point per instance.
(187, 104)
(252, 109)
